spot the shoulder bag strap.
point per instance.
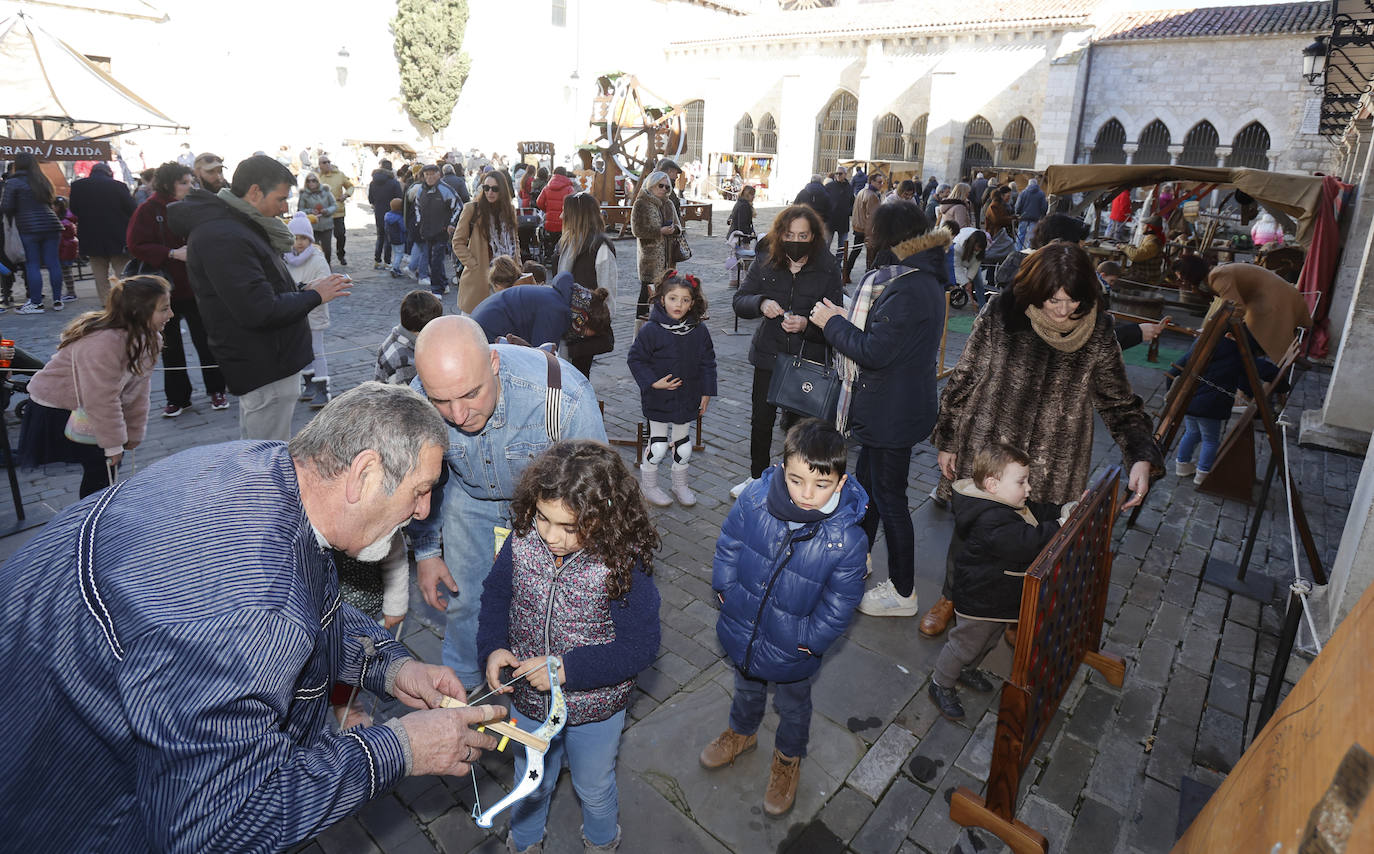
(553, 399)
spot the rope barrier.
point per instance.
(158, 368)
(1300, 585)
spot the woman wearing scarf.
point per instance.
(887, 348)
(1041, 359)
(654, 221)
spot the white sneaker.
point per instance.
(29, 308)
(1183, 469)
(738, 489)
(424, 282)
(1200, 477)
(884, 601)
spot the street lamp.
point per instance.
(342, 68)
(1314, 60)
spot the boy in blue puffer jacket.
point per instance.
(789, 572)
(395, 224)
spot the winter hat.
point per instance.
(300, 226)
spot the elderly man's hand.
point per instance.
(441, 741)
(429, 573)
(423, 686)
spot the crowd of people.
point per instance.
(217, 713)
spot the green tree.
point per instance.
(429, 52)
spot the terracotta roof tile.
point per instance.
(1217, 21)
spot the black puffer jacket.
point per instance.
(254, 316)
(994, 545)
(103, 206)
(819, 279)
(894, 403)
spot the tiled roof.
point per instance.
(897, 17)
(1217, 21)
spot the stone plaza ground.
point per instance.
(883, 763)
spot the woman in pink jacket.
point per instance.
(102, 372)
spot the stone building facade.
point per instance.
(958, 87)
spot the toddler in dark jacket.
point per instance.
(1000, 534)
(789, 572)
(674, 363)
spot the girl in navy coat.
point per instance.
(674, 363)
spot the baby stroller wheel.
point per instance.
(958, 297)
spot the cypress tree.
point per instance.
(429, 53)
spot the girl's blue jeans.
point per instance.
(1204, 431)
(591, 750)
(40, 250)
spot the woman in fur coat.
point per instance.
(1042, 357)
(654, 221)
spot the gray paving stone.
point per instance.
(676, 667)
(1089, 720)
(1062, 781)
(1190, 560)
(1129, 628)
(1199, 648)
(388, 822)
(936, 753)
(1180, 589)
(1219, 741)
(1169, 621)
(1183, 698)
(887, 827)
(1229, 689)
(976, 757)
(934, 831)
(885, 682)
(1152, 818)
(1095, 828)
(1136, 718)
(1237, 644)
(882, 762)
(1048, 819)
(1116, 773)
(1155, 660)
(346, 837)
(1209, 609)
(845, 813)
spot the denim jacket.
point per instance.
(481, 470)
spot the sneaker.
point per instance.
(973, 678)
(171, 410)
(1183, 469)
(424, 281)
(377, 265)
(947, 701)
(219, 401)
(29, 308)
(726, 748)
(1200, 477)
(738, 489)
(885, 601)
(57, 305)
(343, 262)
(69, 296)
(396, 274)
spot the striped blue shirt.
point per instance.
(172, 643)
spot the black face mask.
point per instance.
(796, 249)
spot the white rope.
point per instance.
(1300, 585)
(202, 367)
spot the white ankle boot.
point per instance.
(648, 483)
(684, 496)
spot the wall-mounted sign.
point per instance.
(55, 149)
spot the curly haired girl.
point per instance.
(581, 538)
(674, 363)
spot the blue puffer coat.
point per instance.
(787, 595)
(691, 358)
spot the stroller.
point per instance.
(529, 226)
(999, 247)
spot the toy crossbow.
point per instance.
(536, 744)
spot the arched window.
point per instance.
(744, 133)
(1200, 146)
(1018, 144)
(696, 116)
(888, 143)
(979, 144)
(768, 134)
(1153, 144)
(1110, 144)
(1250, 148)
(918, 137)
(835, 132)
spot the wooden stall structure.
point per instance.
(896, 171)
(535, 153)
(631, 128)
(727, 172)
(1303, 784)
(697, 212)
(1062, 605)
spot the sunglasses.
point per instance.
(491, 188)
(665, 186)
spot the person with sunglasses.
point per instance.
(486, 228)
(655, 222)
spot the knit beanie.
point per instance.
(300, 226)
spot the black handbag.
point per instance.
(804, 387)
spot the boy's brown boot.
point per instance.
(782, 784)
(726, 747)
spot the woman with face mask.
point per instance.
(791, 273)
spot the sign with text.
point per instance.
(55, 149)
(535, 148)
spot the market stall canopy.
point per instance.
(1299, 196)
(48, 87)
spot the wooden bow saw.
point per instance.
(536, 744)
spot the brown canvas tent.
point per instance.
(51, 91)
(1298, 196)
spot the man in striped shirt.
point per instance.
(174, 638)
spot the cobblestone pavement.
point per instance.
(883, 763)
